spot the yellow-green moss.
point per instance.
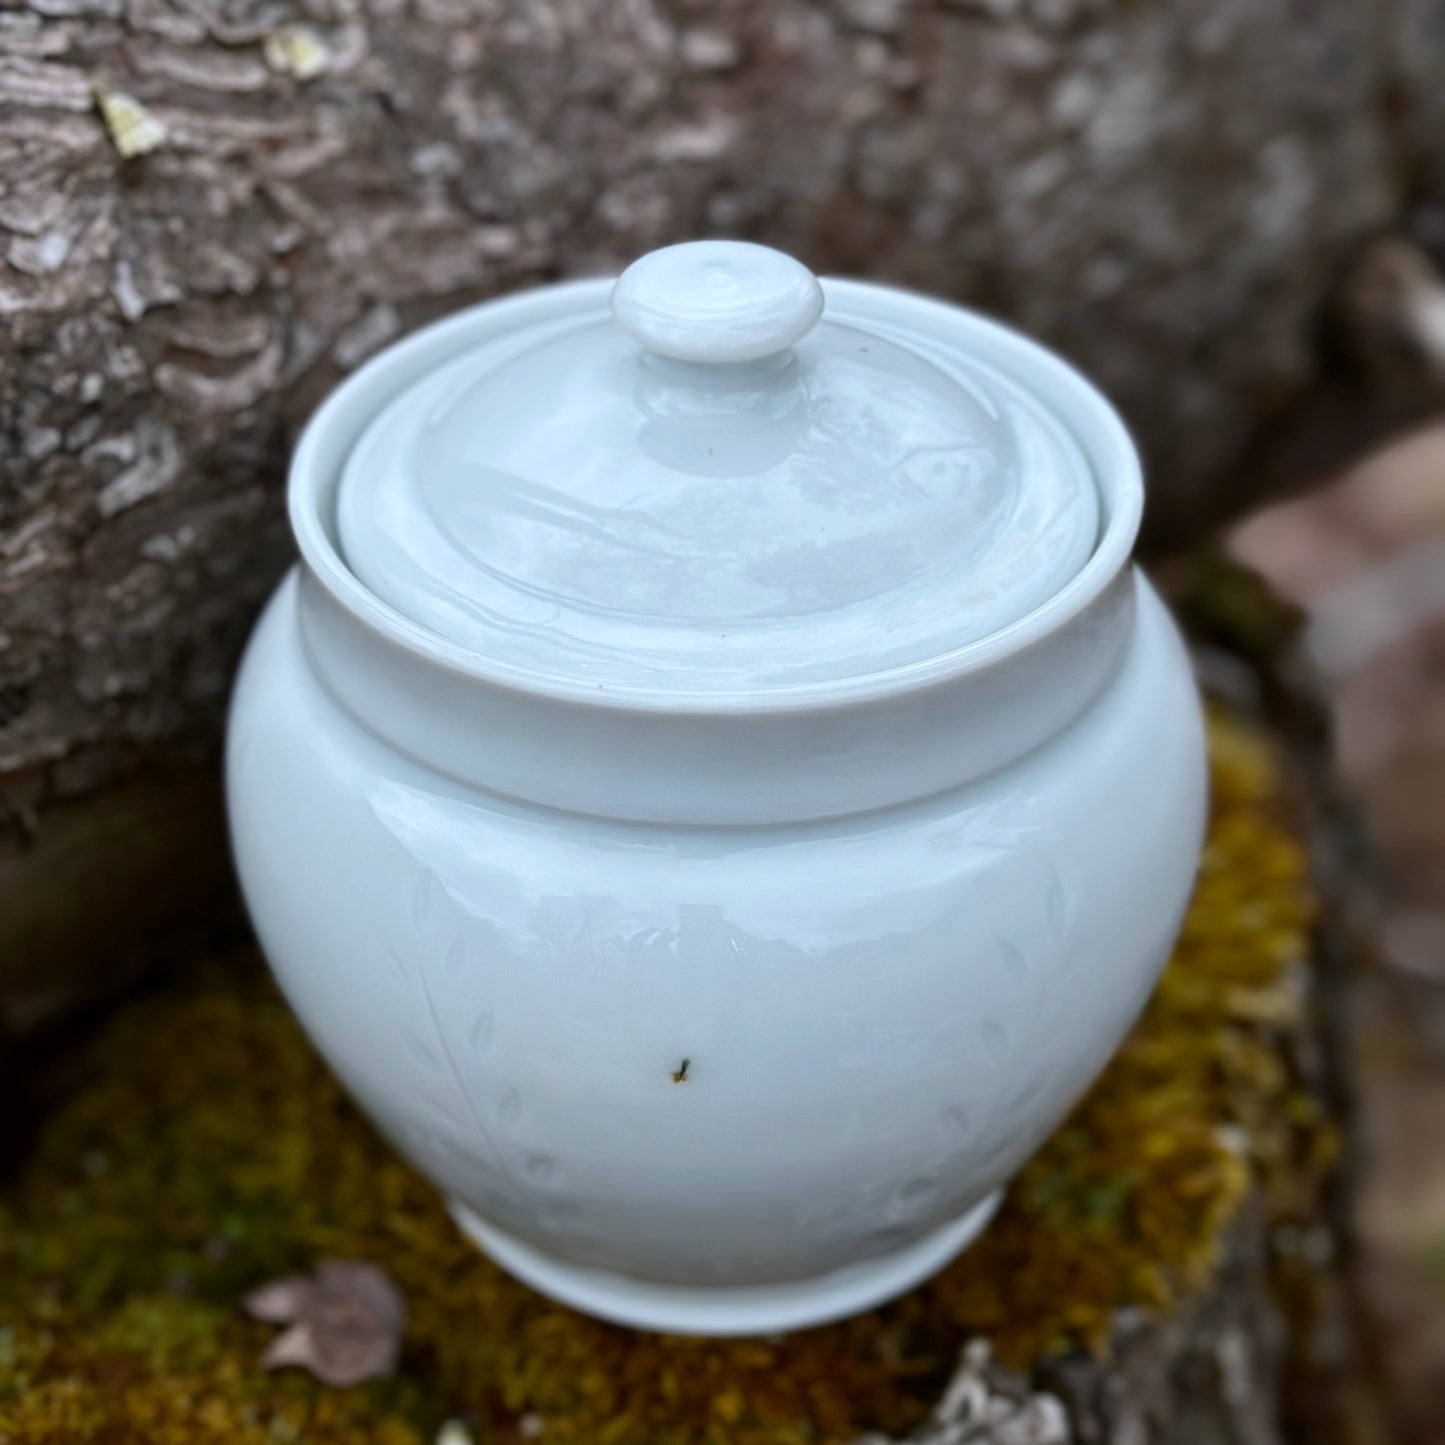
(215, 1152)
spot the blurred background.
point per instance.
(1232, 216)
(1364, 556)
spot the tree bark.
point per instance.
(211, 209)
(1212, 1373)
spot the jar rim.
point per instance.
(1090, 418)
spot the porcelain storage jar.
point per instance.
(715, 788)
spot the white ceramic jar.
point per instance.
(715, 788)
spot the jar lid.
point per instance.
(721, 486)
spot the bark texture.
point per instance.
(1213, 1373)
(210, 209)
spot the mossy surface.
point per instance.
(214, 1152)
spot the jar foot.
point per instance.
(727, 1310)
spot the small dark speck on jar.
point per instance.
(679, 1074)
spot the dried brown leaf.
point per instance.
(346, 1321)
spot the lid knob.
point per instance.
(717, 301)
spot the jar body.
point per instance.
(726, 1078)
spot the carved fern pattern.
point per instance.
(436, 940)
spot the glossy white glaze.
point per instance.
(717, 301)
(893, 922)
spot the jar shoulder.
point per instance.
(1127, 775)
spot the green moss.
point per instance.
(1221, 601)
(215, 1152)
